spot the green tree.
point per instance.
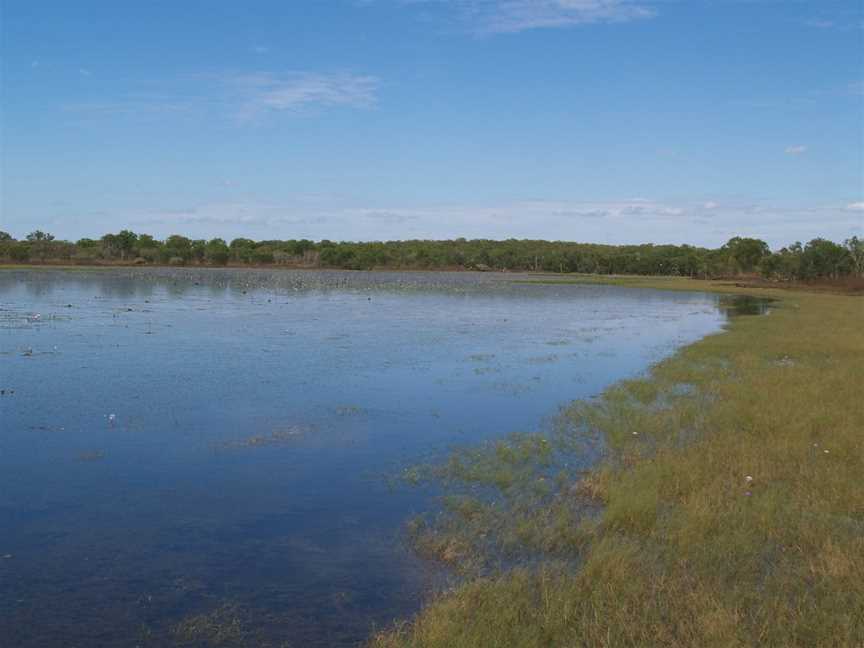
(39, 236)
(746, 253)
(20, 252)
(824, 258)
(242, 249)
(177, 247)
(40, 244)
(148, 248)
(126, 241)
(855, 248)
(199, 250)
(217, 252)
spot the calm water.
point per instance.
(179, 442)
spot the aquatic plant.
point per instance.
(728, 507)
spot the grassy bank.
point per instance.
(728, 509)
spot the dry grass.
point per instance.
(734, 517)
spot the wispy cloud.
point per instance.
(244, 97)
(819, 23)
(616, 221)
(485, 17)
(798, 149)
(263, 93)
(510, 16)
(136, 107)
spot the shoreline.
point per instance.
(739, 285)
(731, 516)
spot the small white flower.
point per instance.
(748, 478)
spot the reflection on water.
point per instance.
(196, 457)
(745, 304)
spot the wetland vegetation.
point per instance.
(200, 456)
(726, 508)
(714, 500)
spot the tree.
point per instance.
(199, 249)
(40, 237)
(855, 247)
(146, 240)
(126, 241)
(148, 248)
(242, 249)
(823, 258)
(217, 252)
(20, 252)
(746, 253)
(40, 244)
(177, 246)
(5, 236)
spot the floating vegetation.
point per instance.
(219, 627)
(512, 388)
(506, 501)
(279, 436)
(481, 371)
(91, 455)
(46, 428)
(545, 359)
(349, 410)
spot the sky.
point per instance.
(607, 121)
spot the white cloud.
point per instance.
(263, 93)
(506, 16)
(142, 107)
(246, 97)
(623, 221)
(820, 23)
(798, 149)
(710, 205)
(511, 16)
(387, 217)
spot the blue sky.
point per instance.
(592, 120)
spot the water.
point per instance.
(204, 442)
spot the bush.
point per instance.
(20, 253)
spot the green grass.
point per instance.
(666, 542)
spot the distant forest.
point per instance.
(818, 259)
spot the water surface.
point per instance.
(214, 442)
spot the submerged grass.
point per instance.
(727, 510)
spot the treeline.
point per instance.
(818, 259)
